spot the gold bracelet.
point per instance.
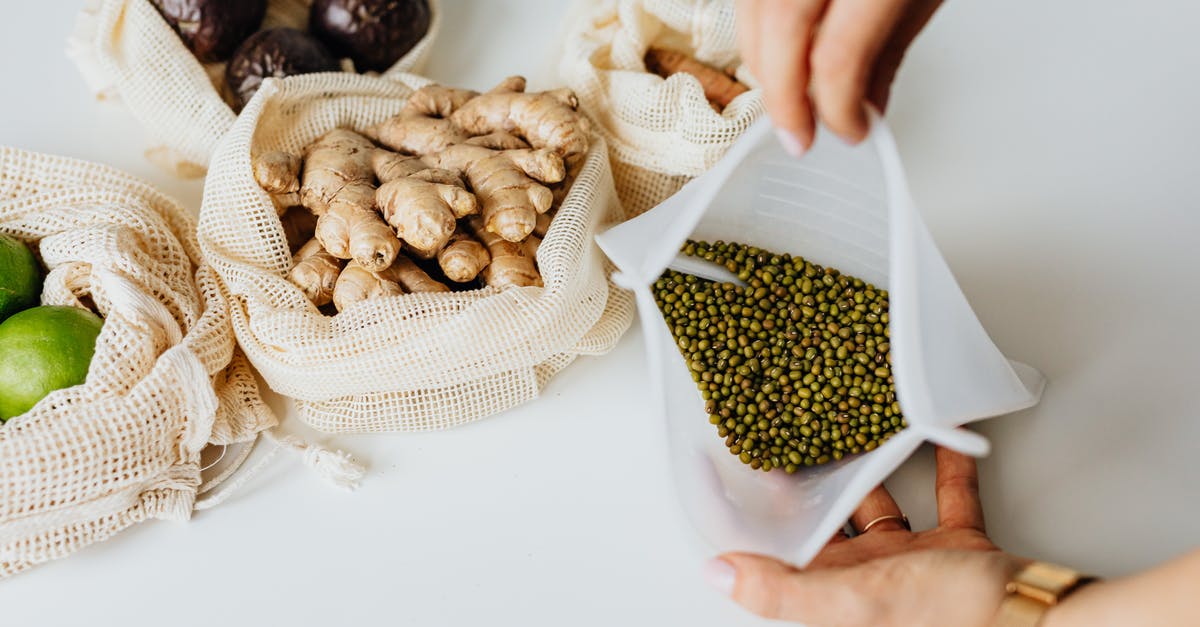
(1033, 591)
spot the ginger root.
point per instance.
(463, 257)
(389, 166)
(511, 266)
(423, 126)
(278, 173)
(338, 186)
(508, 184)
(411, 277)
(470, 179)
(424, 212)
(719, 87)
(531, 245)
(356, 284)
(546, 119)
(315, 272)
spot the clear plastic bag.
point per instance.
(848, 208)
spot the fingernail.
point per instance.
(791, 143)
(720, 575)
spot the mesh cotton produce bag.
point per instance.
(411, 362)
(660, 132)
(125, 48)
(165, 380)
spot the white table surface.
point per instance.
(1051, 146)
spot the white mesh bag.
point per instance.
(124, 48)
(165, 380)
(411, 362)
(660, 132)
(842, 207)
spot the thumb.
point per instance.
(773, 589)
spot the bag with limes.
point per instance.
(117, 361)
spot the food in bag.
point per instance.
(720, 87)
(793, 364)
(275, 52)
(137, 51)
(20, 277)
(372, 34)
(844, 207)
(665, 86)
(112, 417)
(420, 360)
(212, 29)
(463, 195)
(44, 349)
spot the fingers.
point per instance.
(910, 25)
(958, 491)
(852, 35)
(785, 34)
(879, 503)
(748, 13)
(775, 590)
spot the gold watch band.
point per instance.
(1033, 591)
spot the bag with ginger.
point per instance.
(406, 362)
(126, 50)
(165, 381)
(661, 132)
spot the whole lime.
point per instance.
(20, 277)
(41, 350)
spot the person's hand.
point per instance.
(949, 575)
(848, 51)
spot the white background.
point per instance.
(1051, 145)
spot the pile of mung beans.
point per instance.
(793, 366)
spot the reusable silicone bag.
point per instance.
(846, 207)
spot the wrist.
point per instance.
(977, 591)
(1034, 593)
(1067, 613)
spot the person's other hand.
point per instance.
(949, 575)
(848, 51)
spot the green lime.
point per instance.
(41, 350)
(20, 277)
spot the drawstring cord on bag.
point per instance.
(335, 466)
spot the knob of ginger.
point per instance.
(423, 125)
(511, 265)
(509, 184)
(356, 284)
(546, 119)
(463, 257)
(338, 186)
(424, 212)
(411, 277)
(278, 173)
(389, 166)
(315, 272)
